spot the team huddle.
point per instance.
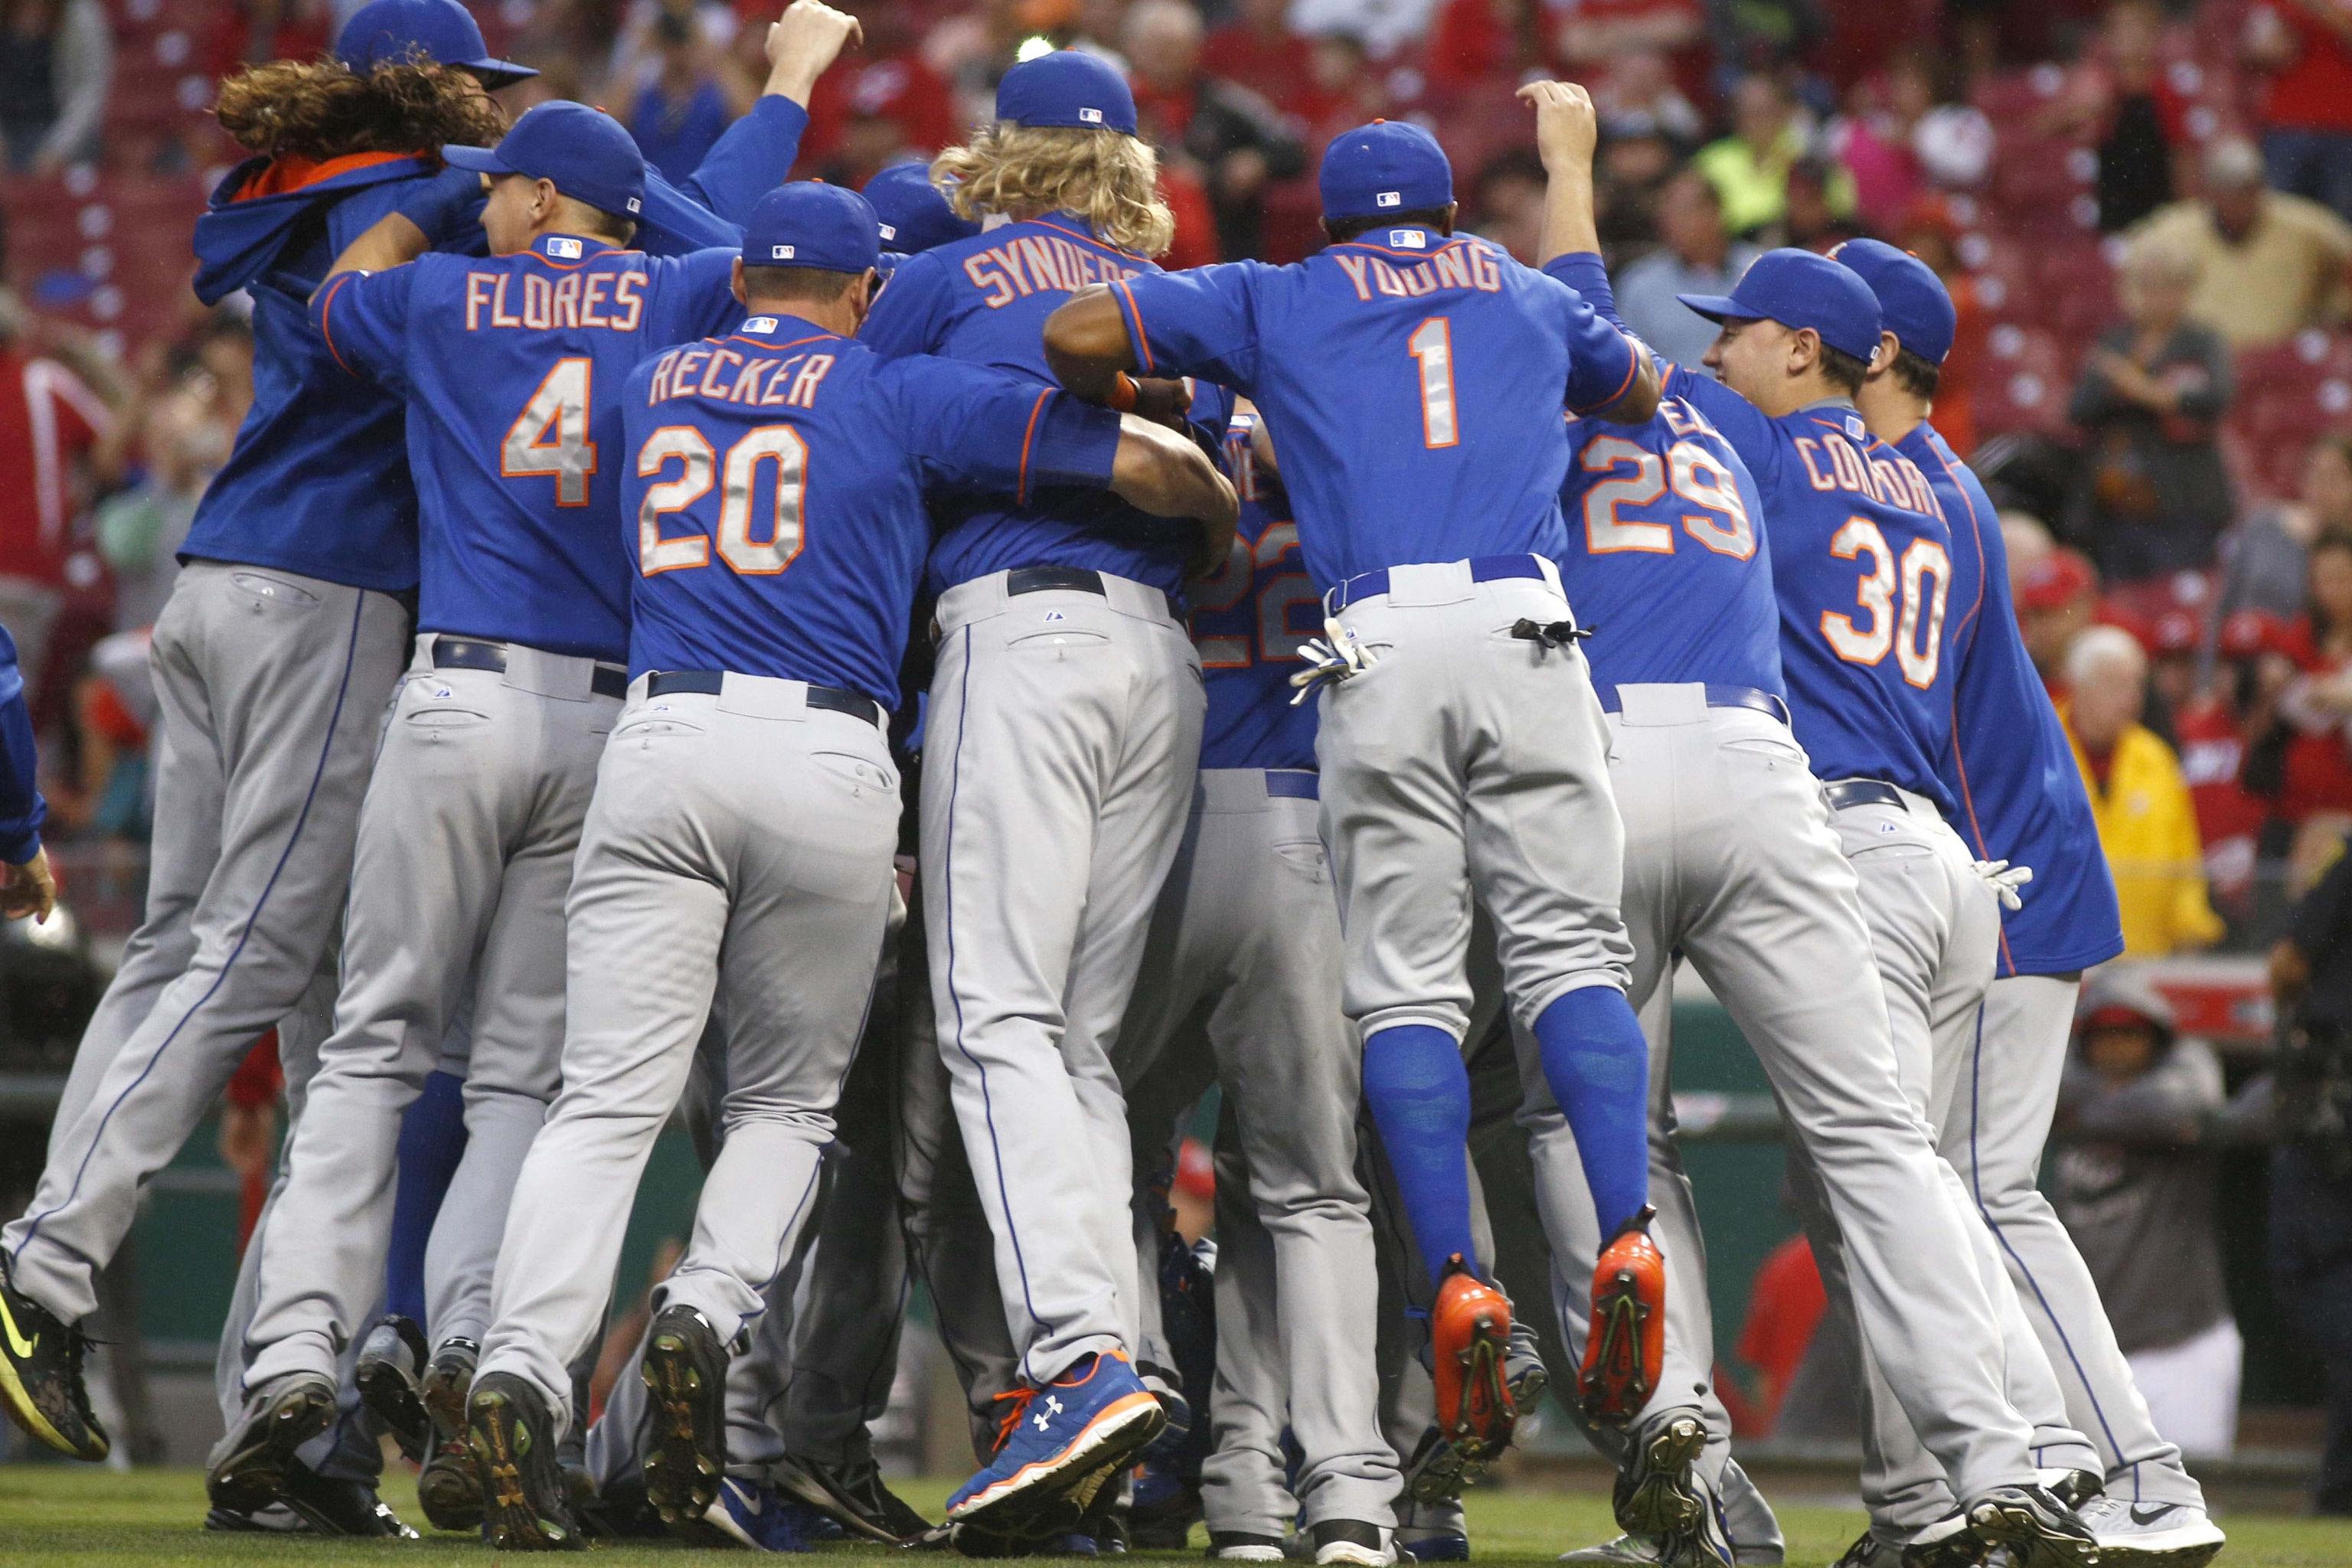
(616, 582)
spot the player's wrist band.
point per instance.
(1123, 393)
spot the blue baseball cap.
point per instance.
(1798, 288)
(395, 32)
(808, 223)
(912, 213)
(1913, 302)
(1070, 88)
(584, 151)
(1387, 167)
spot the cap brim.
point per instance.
(1720, 308)
(481, 160)
(496, 74)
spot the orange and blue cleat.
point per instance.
(1469, 1328)
(1626, 1344)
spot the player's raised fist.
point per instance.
(1566, 124)
(809, 38)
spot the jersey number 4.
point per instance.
(1639, 477)
(749, 487)
(1915, 632)
(548, 439)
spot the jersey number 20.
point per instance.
(1915, 632)
(743, 496)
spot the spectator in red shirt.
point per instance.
(1258, 50)
(2316, 709)
(49, 422)
(1237, 141)
(1784, 1307)
(2306, 46)
(1341, 91)
(880, 107)
(2120, 98)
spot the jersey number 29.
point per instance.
(744, 495)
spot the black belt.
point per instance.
(1717, 697)
(1861, 792)
(1069, 580)
(471, 653)
(707, 683)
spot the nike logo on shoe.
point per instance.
(19, 1345)
(2150, 1515)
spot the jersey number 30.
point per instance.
(765, 477)
(1921, 579)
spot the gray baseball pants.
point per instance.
(464, 856)
(1466, 761)
(1731, 861)
(1064, 734)
(1934, 927)
(1246, 941)
(271, 692)
(746, 837)
(1996, 1123)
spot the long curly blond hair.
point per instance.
(1106, 177)
(318, 109)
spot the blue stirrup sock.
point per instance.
(432, 1141)
(1419, 1093)
(1596, 1064)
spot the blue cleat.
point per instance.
(752, 1514)
(1069, 1436)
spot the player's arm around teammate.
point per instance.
(746, 814)
(1415, 380)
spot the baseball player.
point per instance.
(1062, 735)
(285, 636)
(1861, 571)
(27, 885)
(1245, 948)
(1731, 861)
(747, 811)
(1413, 380)
(467, 833)
(2020, 801)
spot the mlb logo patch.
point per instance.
(1853, 427)
(564, 249)
(1091, 116)
(887, 232)
(779, 252)
(1408, 239)
(1388, 198)
(760, 324)
(634, 204)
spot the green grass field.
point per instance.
(54, 1514)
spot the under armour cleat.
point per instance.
(1470, 1332)
(525, 1505)
(1625, 1348)
(686, 1378)
(449, 1489)
(1658, 1492)
(1069, 1436)
(41, 1376)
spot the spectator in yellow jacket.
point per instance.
(2147, 824)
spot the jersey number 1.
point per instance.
(747, 461)
(1431, 346)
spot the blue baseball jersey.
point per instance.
(985, 300)
(774, 487)
(22, 809)
(1412, 384)
(1250, 620)
(1861, 565)
(2009, 765)
(1667, 560)
(319, 479)
(511, 367)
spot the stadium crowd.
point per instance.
(2144, 211)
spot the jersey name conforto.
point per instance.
(1832, 463)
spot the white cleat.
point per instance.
(2152, 1535)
